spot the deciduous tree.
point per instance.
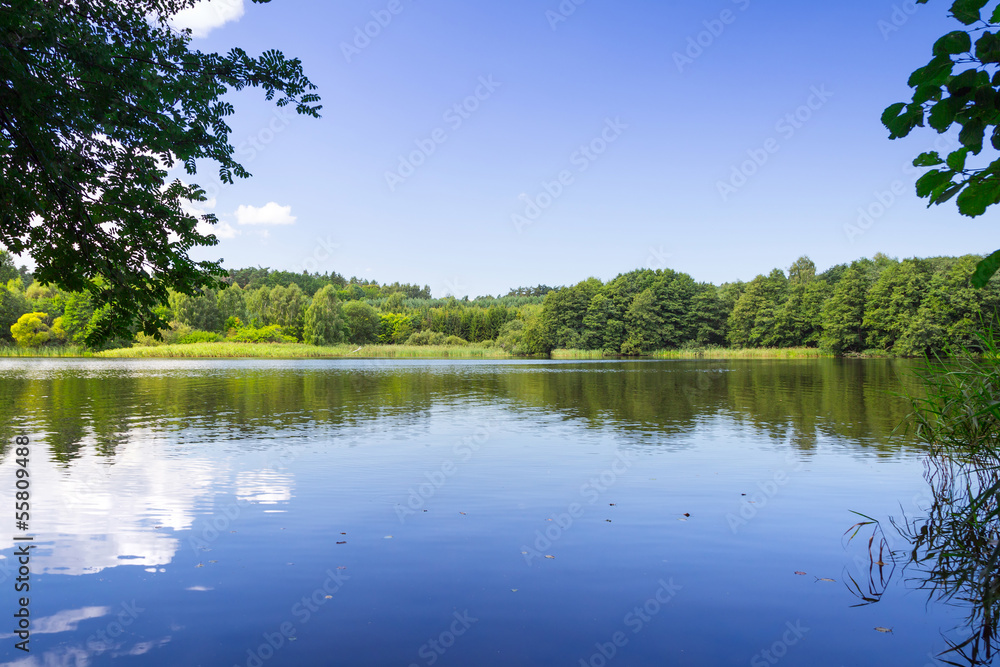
(324, 322)
(99, 99)
(959, 87)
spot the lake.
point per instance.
(367, 513)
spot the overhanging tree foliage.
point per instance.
(960, 86)
(99, 98)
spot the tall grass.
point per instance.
(703, 353)
(583, 354)
(742, 353)
(955, 546)
(300, 351)
(959, 413)
(45, 352)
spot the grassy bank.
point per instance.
(300, 351)
(225, 350)
(751, 353)
(705, 353)
(47, 352)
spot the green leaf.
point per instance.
(956, 161)
(942, 115)
(892, 111)
(968, 11)
(962, 84)
(953, 43)
(985, 97)
(931, 180)
(925, 93)
(985, 269)
(972, 134)
(978, 196)
(901, 124)
(988, 48)
(947, 193)
(935, 73)
(931, 159)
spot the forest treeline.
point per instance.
(880, 305)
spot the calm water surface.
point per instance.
(242, 513)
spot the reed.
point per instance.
(959, 413)
(44, 352)
(224, 350)
(744, 353)
(704, 353)
(583, 354)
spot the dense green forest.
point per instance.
(878, 305)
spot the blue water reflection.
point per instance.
(441, 513)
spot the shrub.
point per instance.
(426, 338)
(30, 330)
(173, 335)
(200, 337)
(270, 334)
(455, 340)
(145, 340)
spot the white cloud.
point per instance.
(208, 15)
(198, 208)
(270, 214)
(222, 230)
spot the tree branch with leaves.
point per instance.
(959, 89)
(98, 99)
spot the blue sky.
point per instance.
(476, 147)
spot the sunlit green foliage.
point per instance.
(878, 305)
(395, 328)
(31, 330)
(103, 97)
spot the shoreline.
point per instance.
(228, 350)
